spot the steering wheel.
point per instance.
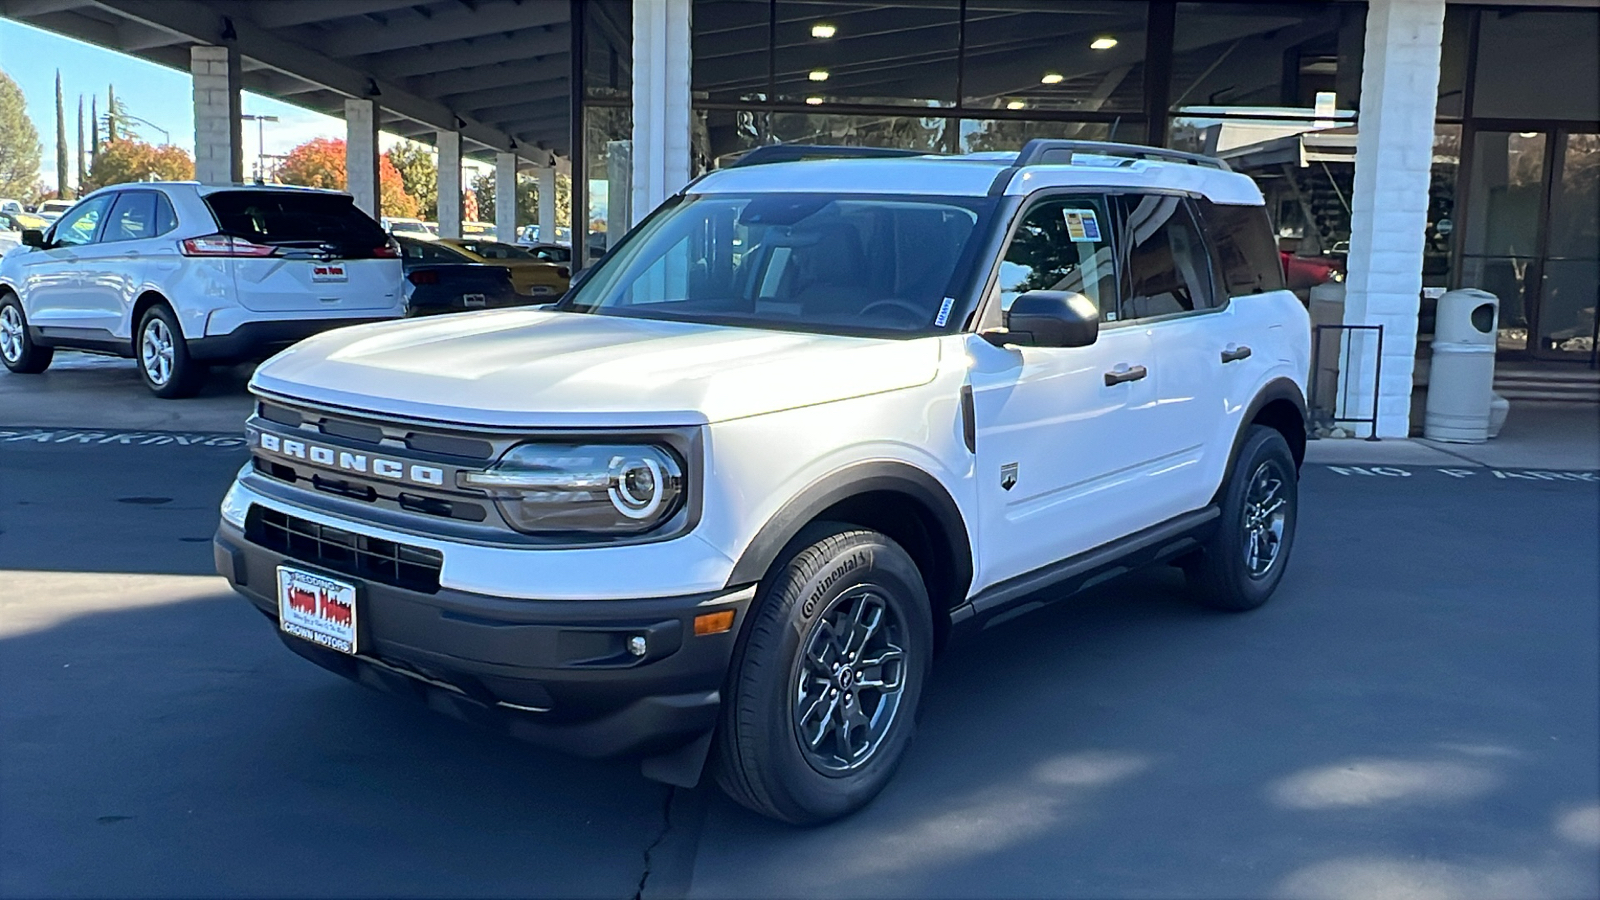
(917, 313)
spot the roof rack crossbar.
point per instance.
(1050, 151)
(776, 153)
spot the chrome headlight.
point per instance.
(620, 489)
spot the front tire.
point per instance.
(164, 362)
(17, 350)
(823, 691)
(1243, 561)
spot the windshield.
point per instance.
(857, 264)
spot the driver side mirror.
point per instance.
(1049, 319)
(32, 237)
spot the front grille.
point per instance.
(348, 552)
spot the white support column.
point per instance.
(661, 117)
(547, 204)
(361, 155)
(449, 144)
(1389, 207)
(505, 197)
(218, 150)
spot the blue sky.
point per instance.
(152, 92)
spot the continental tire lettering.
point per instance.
(854, 561)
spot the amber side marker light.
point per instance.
(713, 623)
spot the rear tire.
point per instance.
(17, 350)
(1243, 561)
(822, 694)
(164, 362)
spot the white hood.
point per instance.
(533, 368)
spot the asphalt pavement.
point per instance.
(1415, 714)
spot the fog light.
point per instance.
(636, 645)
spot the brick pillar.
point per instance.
(449, 143)
(1389, 209)
(218, 149)
(661, 123)
(505, 196)
(361, 155)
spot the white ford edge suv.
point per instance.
(808, 422)
(180, 275)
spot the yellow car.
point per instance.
(530, 275)
(24, 220)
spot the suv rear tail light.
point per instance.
(224, 245)
(423, 277)
(563, 271)
(390, 250)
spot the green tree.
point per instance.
(119, 122)
(320, 163)
(527, 200)
(124, 160)
(19, 143)
(61, 142)
(419, 174)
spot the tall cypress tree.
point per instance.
(61, 142)
(94, 130)
(111, 112)
(83, 177)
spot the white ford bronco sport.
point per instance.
(810, 420)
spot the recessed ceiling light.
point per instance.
(1052, 78)
(819, 75)
(813, 101)
(1528, 134)
(1016, 104)
(822, 30)
(1102, 43)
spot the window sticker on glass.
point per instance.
(1082, 226)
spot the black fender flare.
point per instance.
(860, 478)
(1277, 389)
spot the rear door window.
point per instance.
(1247, 253)
(297, 219)
(1168, 268)
(136, 215)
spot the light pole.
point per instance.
(166, 136)
(261, 146)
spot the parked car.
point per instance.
(438, 281)
(1303, 272)
(483, 231)
(732, 503)
(50, 210)
(411, 228)
(22, 221)
(532, 275)
(8, 205)
(531, 235)
(181, 276)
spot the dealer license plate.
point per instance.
(322, 272)
(318, 609)
(473, 300)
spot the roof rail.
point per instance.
(1049, 151)
(776, 153)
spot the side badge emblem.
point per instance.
(1008, 476)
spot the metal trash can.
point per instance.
(1461, 379)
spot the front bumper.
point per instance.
(553, 672)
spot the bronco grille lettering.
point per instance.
(344, 460)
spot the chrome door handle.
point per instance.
(1132, 373)
(1235, 355)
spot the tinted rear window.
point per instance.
(293, 217)
(1246, 249)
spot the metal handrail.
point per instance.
(1377, 376)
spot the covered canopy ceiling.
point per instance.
(498, 69)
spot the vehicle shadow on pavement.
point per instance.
(1380, 728)
(177, 749)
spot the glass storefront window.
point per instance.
(979, 135)
(1453, 59)
(1271, 57)
(608, 48)
(1044, 54)
(1441, 206)
(909, 132)
(867, 51)
(731, 58)
(608, 140)
(1571, 285)
(1502, 226)
(1537, 65)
